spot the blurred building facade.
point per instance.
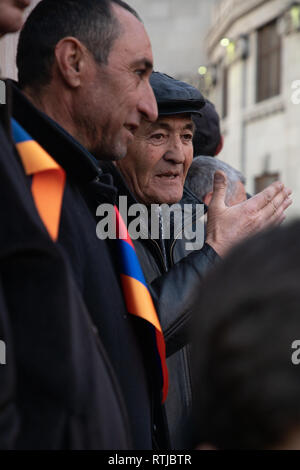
(254, 79)
(178, 30)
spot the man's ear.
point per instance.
(207, 198)
(71, 60)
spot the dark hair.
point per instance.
(90, 21)
(246, 388)
(207, 136)
(128, 8)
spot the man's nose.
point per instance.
(148, 104)
(175, 151)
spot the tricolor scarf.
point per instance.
(48, 184)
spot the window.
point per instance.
(263, 181)
(268, 62)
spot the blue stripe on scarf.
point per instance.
(19, 134)
(129, 262)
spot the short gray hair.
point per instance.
(201, 176)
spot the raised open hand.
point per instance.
(228, 225)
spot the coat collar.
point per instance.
(189, 202)
(119, 181)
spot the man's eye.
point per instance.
(187, 137)
(140, 72)
(158, 138)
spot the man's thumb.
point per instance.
(220, 187)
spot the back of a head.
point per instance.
(246, 386)
(90, 21)
(201, 175)
(207, 138)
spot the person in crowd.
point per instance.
(46, 400)
(154, 172)
(246, 344)
(208, 140)
(83, 89)
(200, 179)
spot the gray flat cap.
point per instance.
(174, 96)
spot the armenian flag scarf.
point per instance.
(48, 178)
(137, 296)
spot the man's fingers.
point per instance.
(277, 205)
(281, 220)
(279, 199)
(264, 198)
(278, 215)
(282, 197)
(277, 221)
(220, 188)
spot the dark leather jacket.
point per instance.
(174, 275)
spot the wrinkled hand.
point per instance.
(228, 225)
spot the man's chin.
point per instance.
(169, 197)
(114, 154)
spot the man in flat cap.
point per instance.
(153, 174)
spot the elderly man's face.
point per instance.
(11, 15)
(118, 94)
(158, 160)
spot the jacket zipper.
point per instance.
(173, 244)
(161, 254)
